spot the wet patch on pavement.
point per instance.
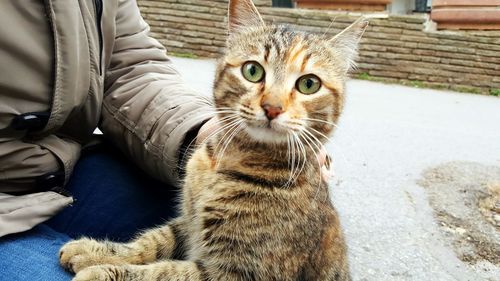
(465, 197)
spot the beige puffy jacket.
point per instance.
(67, 67)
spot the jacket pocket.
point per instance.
(21, 213)
(66, 150)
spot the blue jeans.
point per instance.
(114, 199)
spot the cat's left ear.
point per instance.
(346, 42)
(243, 14)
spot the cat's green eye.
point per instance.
(253, 71)
(308, 84)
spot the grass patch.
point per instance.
(495, 92)
(466, 89)
(417, 84)
(183, 55)
(364, 76)
(428, 85)
(368, 77)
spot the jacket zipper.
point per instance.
(98, 10)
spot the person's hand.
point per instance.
(207, 129)
(325, 161)
(213, 124)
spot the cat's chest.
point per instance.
(241, 223)
(236, 209)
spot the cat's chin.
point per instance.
(266, 135)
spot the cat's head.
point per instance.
(274, 83)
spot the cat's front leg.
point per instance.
(100, 273)
(79, 254)
(160, 271)
(157, 243)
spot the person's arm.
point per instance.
(147, 109)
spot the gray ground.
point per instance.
(403, 156)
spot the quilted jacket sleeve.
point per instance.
(147, 110)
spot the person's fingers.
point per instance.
(325, 174)
(325, 161)
(322, 156)
(207, 129)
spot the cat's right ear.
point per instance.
(243, 14)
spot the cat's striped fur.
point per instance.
(254, 206)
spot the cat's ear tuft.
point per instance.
(243, 14)
(346, 42)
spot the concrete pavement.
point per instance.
(387, 137)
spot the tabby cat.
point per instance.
(254, 206)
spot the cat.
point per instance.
(254, 205)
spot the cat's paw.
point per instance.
(97, 273)
(79, 254)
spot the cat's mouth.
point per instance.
(266, 134)
(268, 131)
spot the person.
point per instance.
(68, 67)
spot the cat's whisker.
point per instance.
(352, 139)
(232, 119)
(212, 108)
(295, 157)
(315, 151)
(221, 121)
(225, 107)
(340, 150)
(197, 102)
(228, 131)
(329, 26)
(221, 141)
(326, 139)
(292, 128)
(299, 162)
(193, 142)
(210, 114)
(288, 153)
(224, 120)
(310, 142)
(236, 130)
(225, 123)
(304, 154)
(293, 170)
(313, 138)
(296, 122)
(216, 112)
(317, 143)
(246, 110)
(291, 159)
(252, 117)
(320, 134)
(321, 121)
(201, 100)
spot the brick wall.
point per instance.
(393, 49)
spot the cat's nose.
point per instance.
(272, 111)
